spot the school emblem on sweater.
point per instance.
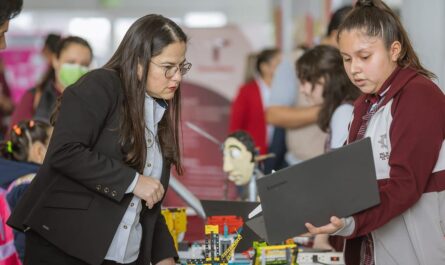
(384, 145)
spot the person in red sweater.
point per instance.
(247, 112)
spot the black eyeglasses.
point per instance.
(170, 70)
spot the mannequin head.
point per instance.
(239, 157)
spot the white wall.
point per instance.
(238, 11)
(425, 23)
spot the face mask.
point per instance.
(70, 73)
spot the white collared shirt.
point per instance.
(127, 240)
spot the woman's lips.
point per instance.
(172, 88)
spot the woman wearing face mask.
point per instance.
(72, 59)
(97, 197)
(27, 145)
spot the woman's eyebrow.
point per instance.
(172, 63)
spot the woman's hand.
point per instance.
(149, 190)
(335, 225)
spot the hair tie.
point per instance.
(17, 129)
(9, 147)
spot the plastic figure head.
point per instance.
(239, 157)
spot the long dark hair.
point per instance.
(145, 39)
(325, 61)
(22, 135)
(50, 75)
(376, 19)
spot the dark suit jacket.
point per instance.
(78, 199)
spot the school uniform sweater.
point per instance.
(407, 134)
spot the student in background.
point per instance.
(6, 104)
(28, 144)
(290, 109)
(324, 82)
(402, 111)
(50, 46)
(38, 103)
(8, 10)
(248, 107)
(332, 31)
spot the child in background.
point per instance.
(28, 143)
(324, 82)
(403, 112)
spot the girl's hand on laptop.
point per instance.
(335, 225)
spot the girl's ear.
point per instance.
(395, 50)
(37, 152)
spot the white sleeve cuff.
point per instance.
(348, 229)
(133, 184)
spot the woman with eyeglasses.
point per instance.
(97, 197)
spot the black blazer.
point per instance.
(78, 199)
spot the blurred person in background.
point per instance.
(247, 111)
(337, 18)
(8, 10)
(6, 105)
(27, 146)
(50, 46)
(323, 80)
(71, 60)
(291, 109)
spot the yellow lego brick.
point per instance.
(211, 228)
